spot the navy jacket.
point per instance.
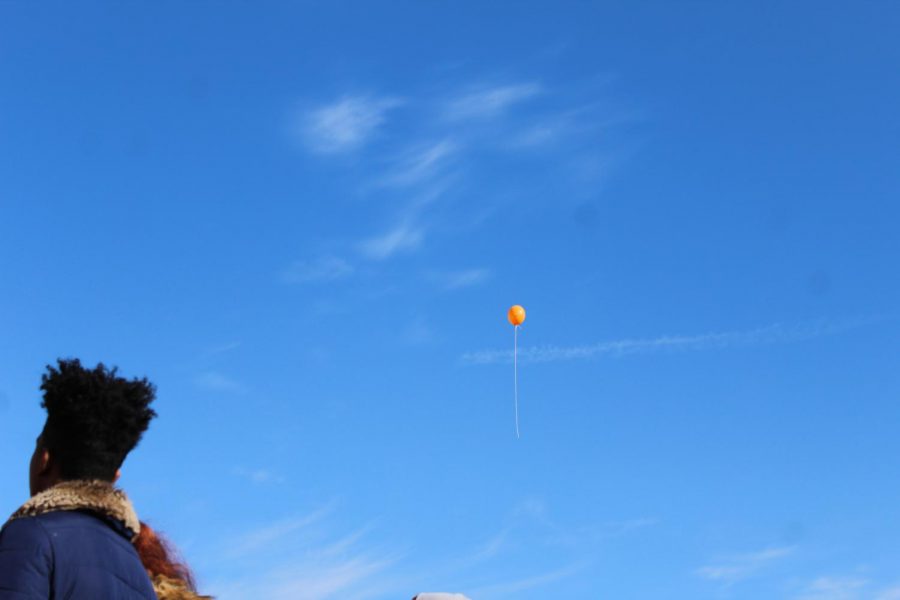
(70, 555)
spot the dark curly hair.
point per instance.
(94, 418)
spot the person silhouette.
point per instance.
(72, 538)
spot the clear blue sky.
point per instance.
(304, 221)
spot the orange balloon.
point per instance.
(516, 315)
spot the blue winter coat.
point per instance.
(70, 555)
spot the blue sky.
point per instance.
(305, 223)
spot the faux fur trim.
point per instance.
(91, 495)
(167, 588)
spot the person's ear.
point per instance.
(44, 462)
(117, 475)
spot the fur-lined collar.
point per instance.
(91, 495)
(167, 588)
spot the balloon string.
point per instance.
(516, 374)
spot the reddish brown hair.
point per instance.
(159, 558)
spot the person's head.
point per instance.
(94, 419)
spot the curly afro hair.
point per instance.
(94, 418)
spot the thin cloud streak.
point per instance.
(221, 348)
(326, 580)
(421, 164)
(892, 593)
(422, 170)
(305, 557)
(417, 332)
(300, 557)
(834, 588)
(587, 120)
(740, 567)
(455, 280)
(622, 527)
(344, 544)
(490, 102)
(402, 238)
(353, 577)
(217, 382)
(319, 270)
(344, 125)
(492, 546)
(265, 537)
(509, 588)
(772, 334)
(258, 476)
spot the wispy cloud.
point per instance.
(600, 533)
(736, 568)
(417, 332)
(266, 536)
(343, 545)
(345, 124)
(613, 528)
(326, 580)
(511, 588)
(846, 587)
(772, 334)
(402, 238)
(454, 280)
(490, 101)
(529, 520)
(317, 270)
(524, 513)
(538, 135)
(258, 476)
(532, 508)
(421, 163)
(585, 122)
(353, 578)
(423, 170)
(492, 546)
(312, 558)
(835, 588)
(891, 593)
(222, 348)
(301, 557)
(217, 382)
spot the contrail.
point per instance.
(772, 334)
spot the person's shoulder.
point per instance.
(79, 548)
(65, 534)
(71, 530)
(26, 531)
(67, 518)
(60, 520)
(25, 548)
(26, 559)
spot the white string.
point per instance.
(516, 374)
